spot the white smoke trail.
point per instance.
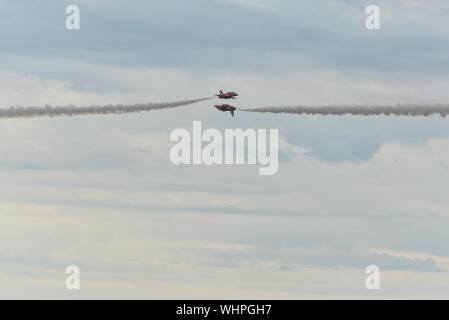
(49, 111)
(399, 110)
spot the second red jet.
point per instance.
(226, 107)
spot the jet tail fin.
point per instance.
(232, 112)
(221, 92)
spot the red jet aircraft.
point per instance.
(228, 95)
(226, 107)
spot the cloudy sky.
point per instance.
(100, 191)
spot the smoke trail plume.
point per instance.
(49, 111)
(398, 110)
